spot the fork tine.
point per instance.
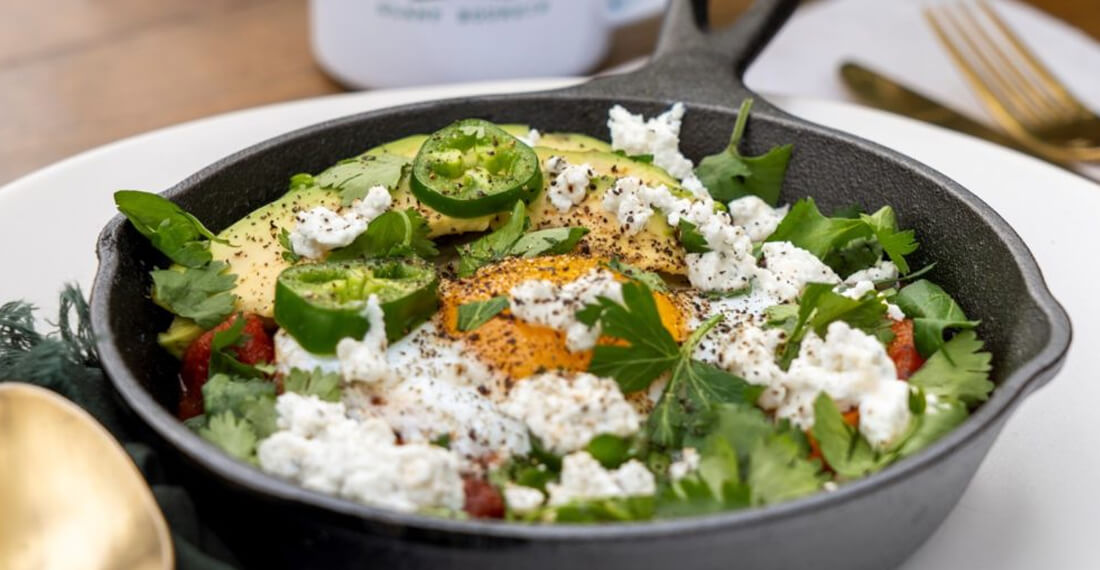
(1053, 85)
(1043, 102)
(1006, 108)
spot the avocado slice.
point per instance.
(654, 248)
(180, 334)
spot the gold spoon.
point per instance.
(71, 496)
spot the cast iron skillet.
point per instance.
(872, 523)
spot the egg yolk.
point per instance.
(520, 349)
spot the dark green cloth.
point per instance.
(65, 361)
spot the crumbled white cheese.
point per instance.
(321, 230)
(542, 302)
(894, 312)
(854, 369)
(290, 355)
(789, 269)
(757, 217)
(583, 478)
(423, 408)
(743, 309)
(532, 139)
(686, 464)
(659, 136)
(566, 413)
(884, 270)
(365, 360)
(623, 200)
(729, 265)
(750, 354)
(569, 186)
(322, 449)
(522, 499)
(692, 184)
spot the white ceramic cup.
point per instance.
(395, 43)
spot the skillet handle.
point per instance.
(692, 63)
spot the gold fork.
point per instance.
(1022, 94)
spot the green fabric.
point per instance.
(66, 362)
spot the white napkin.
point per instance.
(892, 36)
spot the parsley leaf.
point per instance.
(729, 175)
(494, 246)
(778, 472)
(896, 244)
(806, 227)
(649, 278)
(474, 314)
(354, 177)
(844, 448)
(933, 311)
(396, 233)
(324, 385)
(937, 421)
(650, 351)
(201, 294)
(547, 242)
(233, 435)
(171, 230)
(610, 450)
(958, 371)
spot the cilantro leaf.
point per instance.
(354, 177)
(896, 244)
(203, 295)
(547, 242)
(650, 351)
(691, 239)
(694, 387)
(494, 246)
(740, 424)
(233, 435)
(937, 421)
(858, 254)
(474, 314)
(777, 472)
(806, 227)
(396, 233)
(716, 486)
(844, 448)
(933, 311)
(174, 232)
(959, 370)
(649, 278)
(250, 403)
(729, 175)
(324, 385)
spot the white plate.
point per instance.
(1036, 499)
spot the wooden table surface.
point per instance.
(75, 74)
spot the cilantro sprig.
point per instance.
(832, 239)
(354, 177)
(730, 175)
(819, 307)
(203, 294)
(933, 312)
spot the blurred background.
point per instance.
(75, 74)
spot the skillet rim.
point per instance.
(1009, 393)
